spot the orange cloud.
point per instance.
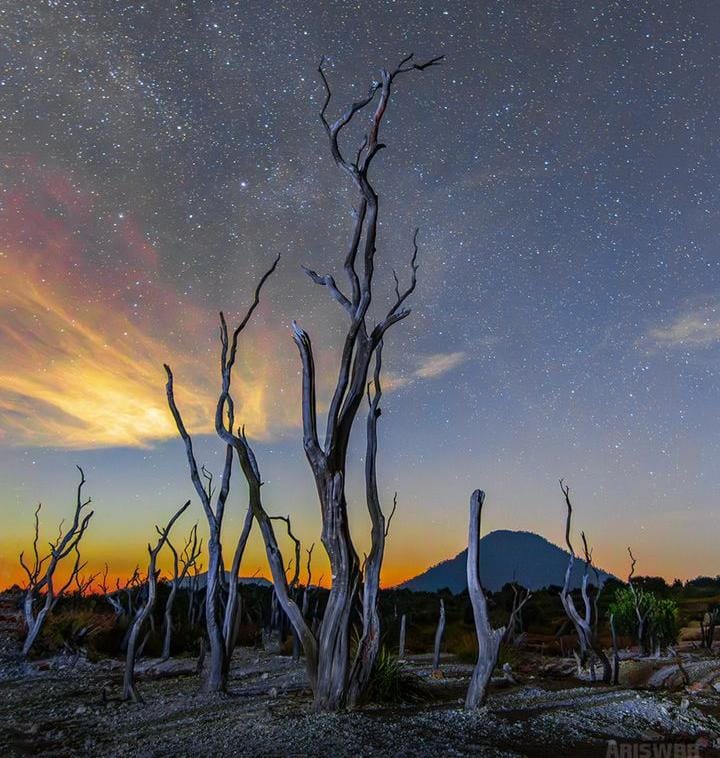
(86, 323)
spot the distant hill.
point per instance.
(528, 558)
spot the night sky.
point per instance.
(562, 165)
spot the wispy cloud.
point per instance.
(427, 367)
(432, 366)
(85, 343)
(697, 326)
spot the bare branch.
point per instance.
(129, 691)
(192, 463)
(296, 576)
(309, 564)
(329, 282)
(392, 513)
(309, 401)
(632, 566)
(41, 574)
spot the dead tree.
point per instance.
(131, 587)
(83, 583)
(640, 613)
(328, 460)
(129, 692)
(193, 589)
(489, 639)
(216, 677)
(369, 644)
(181, 564)
(583, 623)
(306, 593)
(235, 442)
(233, 610)
(515, 622)
(401, 644)
(116, 604)
(279, 619)
(41, 574)
(708, 622)
(439, 632)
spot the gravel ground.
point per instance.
(61, 710)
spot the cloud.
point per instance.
(432, 366)
(89, 313)
(696, 327)
(427, 367)
(84, 337)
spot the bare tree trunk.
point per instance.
(489, 639)
(439, 632)
(515, 622)
(708, 622)
(641, 617)
(616, 655)
(167, 619)
(369, 644)
(401, 646)
(129, 691)
(191, 552)
(41, 574)
(583, 623)
(232, 609)
(306, 593)
(216, 678)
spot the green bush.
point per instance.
(661, 614)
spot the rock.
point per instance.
(80, 710)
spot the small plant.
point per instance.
(73, 630)
(390, 682)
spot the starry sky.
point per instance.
(562, 166)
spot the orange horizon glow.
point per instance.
(396, 569)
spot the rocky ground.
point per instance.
(67, 707)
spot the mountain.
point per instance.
(525, 557)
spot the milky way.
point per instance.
(562, 167)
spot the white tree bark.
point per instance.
(583, 623)
(181, 566)
(129, 691)
(41, 574)
(439, 632)
(489, 639)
